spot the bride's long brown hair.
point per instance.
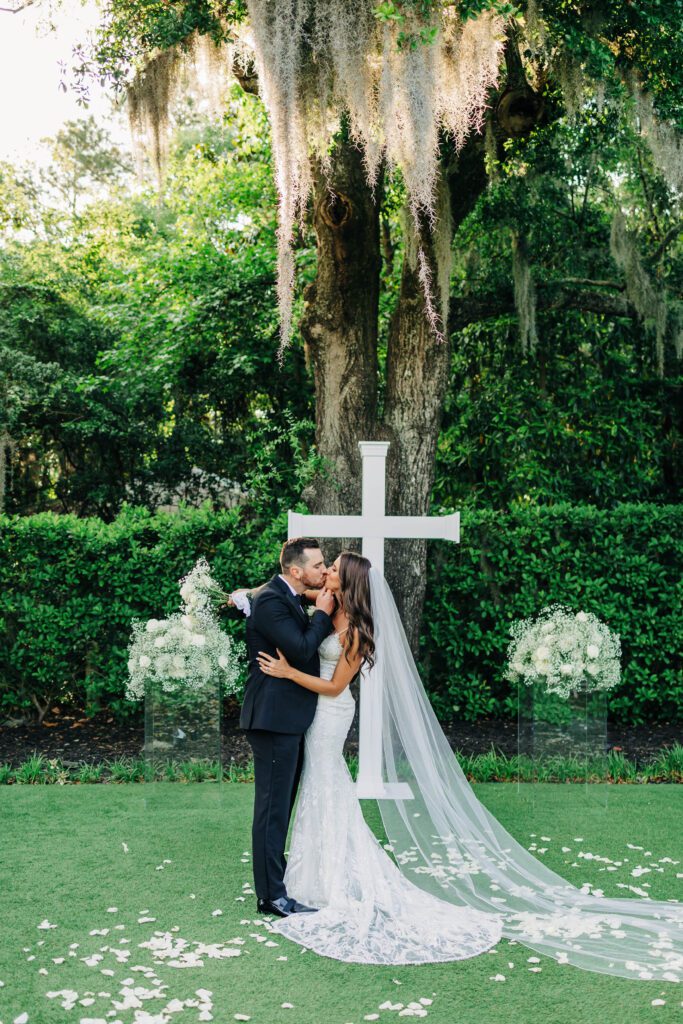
(354, 581)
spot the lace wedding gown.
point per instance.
(369, 911)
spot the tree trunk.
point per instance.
(339, 327)
(340, 331)
(417, 378)
(418, 375)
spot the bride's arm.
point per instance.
(241, 599)
(343, 674)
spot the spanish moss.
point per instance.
(318, 62)
(525, 294)
(650, 303)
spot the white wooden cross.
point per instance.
(374, 527)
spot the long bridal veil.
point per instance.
(449, 844)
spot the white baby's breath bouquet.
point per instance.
(567, 650)
(187, 651)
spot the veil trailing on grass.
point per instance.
(449, 844)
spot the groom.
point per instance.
(277, 712)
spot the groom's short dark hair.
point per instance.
(293, 551)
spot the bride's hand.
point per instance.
(278, 667)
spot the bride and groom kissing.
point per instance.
(339, 892)
(451, 880)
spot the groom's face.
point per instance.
(313, 572)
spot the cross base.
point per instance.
(371, 790)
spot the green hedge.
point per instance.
(69, 588)
(624, 564)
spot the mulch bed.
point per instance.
(73, 737)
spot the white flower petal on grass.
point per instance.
(287, 1006)
(497, 977)
(216, 913)
(241, 1016)
(21, 1019)
(44, 925)
(371, 1016)
(125, 847)
(425, 1001)
(658, 1002)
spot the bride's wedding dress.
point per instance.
(456, 879)
(370, 912)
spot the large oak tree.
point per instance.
(363, 98)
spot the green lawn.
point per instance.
(64, 862)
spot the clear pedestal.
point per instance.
(562, 739)
(182, 738)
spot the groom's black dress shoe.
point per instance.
(283, 907)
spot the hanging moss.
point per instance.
(649, 301)
(525, 294)
(319, 61)
(662, 138)
(198, 64)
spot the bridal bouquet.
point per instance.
(186, 651)
(569, 650)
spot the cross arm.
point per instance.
(389, 527)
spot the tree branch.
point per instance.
(549, 298)
(671, 236)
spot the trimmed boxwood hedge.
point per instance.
(70, 586)
(624, 564)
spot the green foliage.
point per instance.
(138, 364)
(69, 588)
(623, 564)
(494, 766)
(561, 424)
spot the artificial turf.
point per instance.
(175, 854)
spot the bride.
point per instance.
(451, 880)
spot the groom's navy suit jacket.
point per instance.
(278, 620)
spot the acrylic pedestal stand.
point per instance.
(182, 729)
(552, 730)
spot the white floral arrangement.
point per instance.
(568, 650)
(187, 651)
